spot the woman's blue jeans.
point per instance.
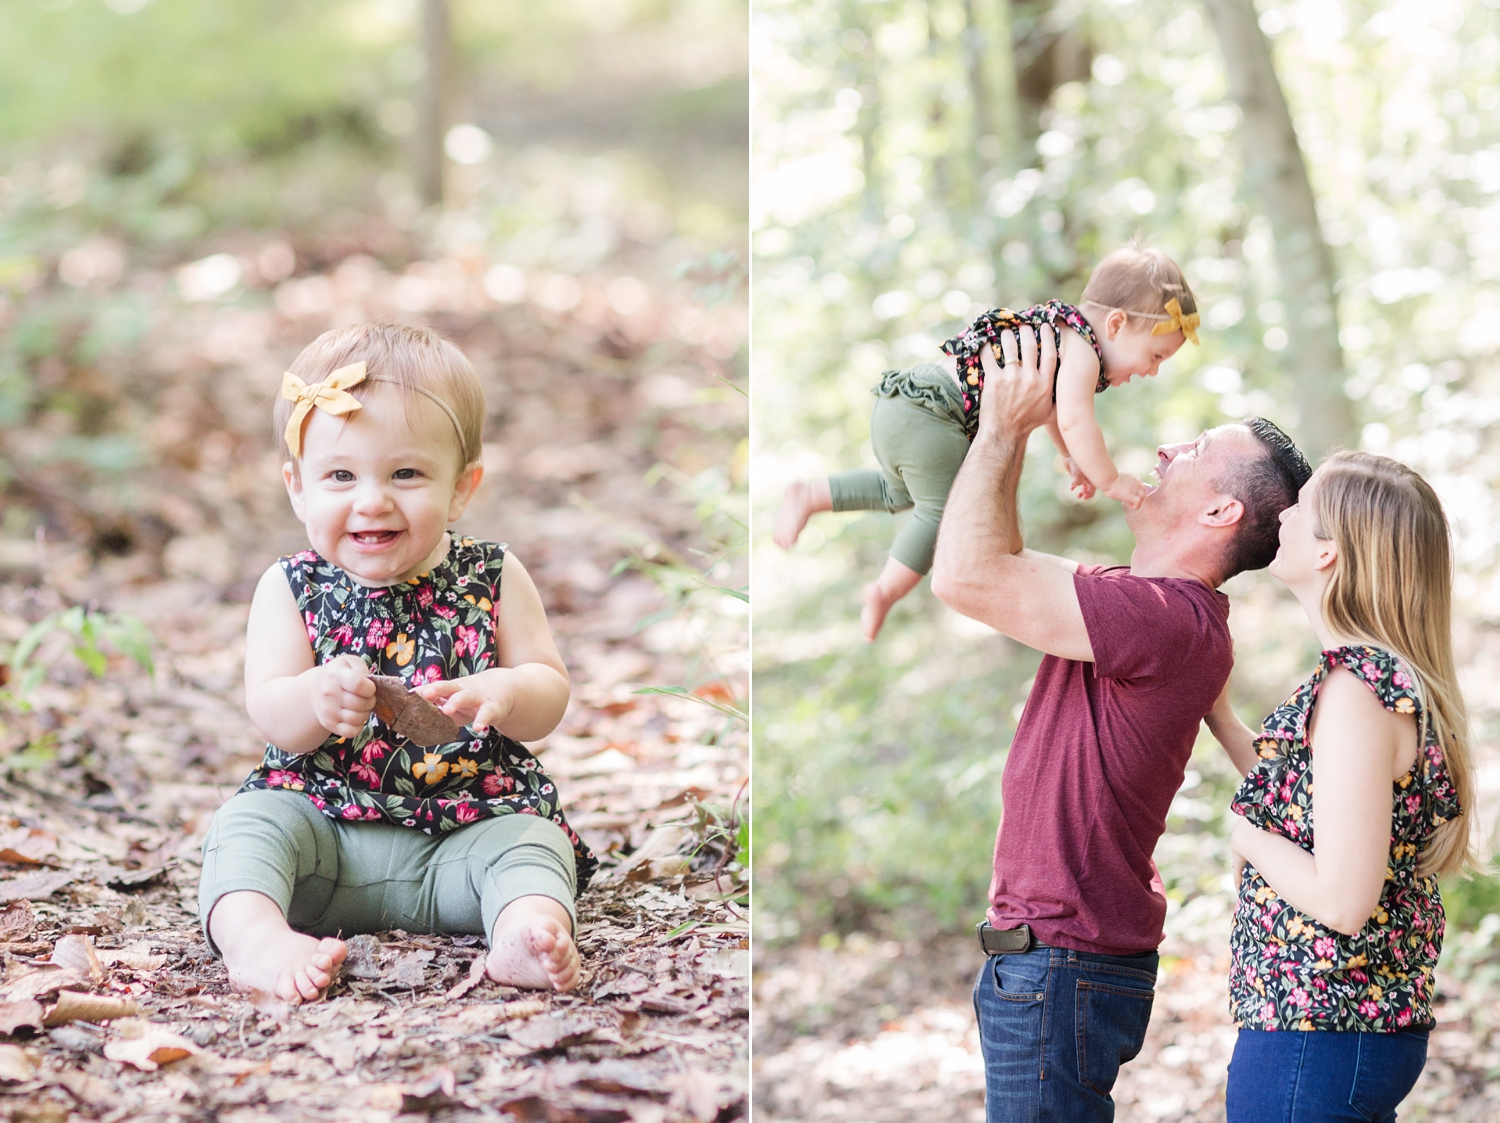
(1287, 1076)
(1055, 1026)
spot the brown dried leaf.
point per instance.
(362, 959)
(390, 698)
(465, 985)
(25, 846)
(409, 971)
(88, 1089)
(134, 960)
(541, 1035)
(345, 1049)
(17, 922)
(411, 715)
(22, 1012)
(147, 1046)
(33, 886)
(138, 879)
(42, 980)
(77, 954)
(697, 1094)
(539, 1109)
(72, 1006)
(14, 1064)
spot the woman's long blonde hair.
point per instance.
(1393, 586)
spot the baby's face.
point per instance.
(376, 492)
(1135, 351)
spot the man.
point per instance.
(1135, 658)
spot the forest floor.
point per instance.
(108, 784)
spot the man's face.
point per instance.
(1189, 474)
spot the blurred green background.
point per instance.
(189, 167)
(916, 162)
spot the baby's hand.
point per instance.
(343, 695)
(1077, 481)
(478, 701)
(1127, 490)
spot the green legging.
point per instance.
(916, 431)
(332, 877)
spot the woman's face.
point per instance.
(1302, 556)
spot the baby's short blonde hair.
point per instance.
(420, 362)
(1136, 278)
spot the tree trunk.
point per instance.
(937, 112)
(1044, 56)
(432, 122)
(986, 144)
(1276, 172)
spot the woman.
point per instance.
(1338, 943)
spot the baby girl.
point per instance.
(1135, 312)
(350, 825)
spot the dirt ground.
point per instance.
(107, 784)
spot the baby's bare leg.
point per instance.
(894, 582)
(264, 954)
(802, 500)
(532, 946)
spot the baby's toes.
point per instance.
(307, 986)
(286, 989)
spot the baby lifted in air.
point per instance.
(1135, 313)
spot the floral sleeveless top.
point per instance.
(991, 325)
(438, 625)
(1290, 972)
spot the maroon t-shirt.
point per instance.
(1098, 755)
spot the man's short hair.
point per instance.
(1265, 485)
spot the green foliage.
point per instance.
(886, 219)
(90, 636)
(692, 594)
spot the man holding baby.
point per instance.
(1135, 657)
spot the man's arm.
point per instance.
(982, 568)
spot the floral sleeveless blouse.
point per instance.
(991, 325)
(438, 625)
(1290, 972)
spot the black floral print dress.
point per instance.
(1290, 972)
(437, 626)
(991, 325)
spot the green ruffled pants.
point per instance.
(917, 433)
(332, 877)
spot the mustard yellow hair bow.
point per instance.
(328, 395)
(1177, 321)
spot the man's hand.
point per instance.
(1019, 398)
(343, 695)
(478, 701)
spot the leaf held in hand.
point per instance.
(411, 715)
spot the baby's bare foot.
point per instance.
(872, 615)
(533, 949)
(263, 954)
(293, 967)
(796, 509)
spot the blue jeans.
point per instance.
(1322, 1077)
(1055, 1026)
